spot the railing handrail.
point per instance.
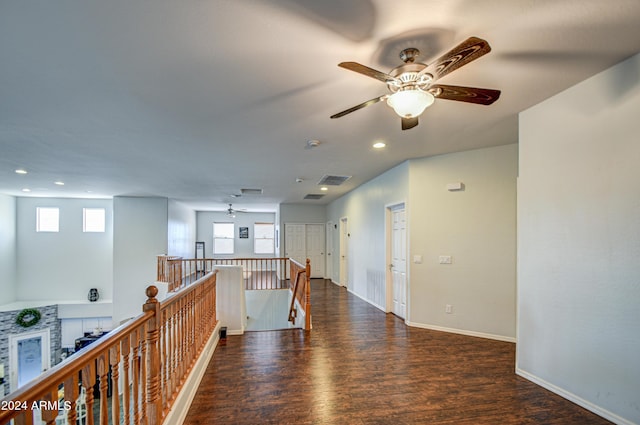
(34, 389)
(304, 298)
(145, 336)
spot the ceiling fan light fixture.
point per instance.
(410, 103)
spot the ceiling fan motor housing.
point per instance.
(408, 78)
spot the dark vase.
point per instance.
(93, 295)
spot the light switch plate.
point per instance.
(444, 259)
(417, 259)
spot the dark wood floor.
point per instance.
(361, 366)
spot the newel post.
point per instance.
(154, 403)
(307, 296)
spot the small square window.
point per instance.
(93, 220)
(47, 219)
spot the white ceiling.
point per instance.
(196, 99)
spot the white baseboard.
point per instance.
(368, 301)
(574, 398)
(462, 332)
(180, 407)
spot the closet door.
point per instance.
(302, 241)
(294, 242)
(315, 236)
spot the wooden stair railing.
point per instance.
(301, 291)
(146, 361)
(258, 273)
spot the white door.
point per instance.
(344, 251)
(328, 273)
(294, 242)
(398, 264)
(315, 248)
(29, 356)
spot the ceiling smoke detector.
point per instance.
(312, 144)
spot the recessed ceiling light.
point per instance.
(26, 190)
(379, 145)
(21, 171)
(59, 183)
(324, 188)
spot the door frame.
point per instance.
(45, 335)
(328, 241)
(344, 252)
(389, 208)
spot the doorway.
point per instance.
(344, 252)
(329, 244)
(397, 260)
(29, 356)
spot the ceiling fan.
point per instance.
(412, 83)
(232, 212)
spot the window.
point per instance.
(47, 219)
(223, 238)
(263, 238)
(93, 219)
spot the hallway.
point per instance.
(361, 366)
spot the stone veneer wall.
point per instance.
(49, 319)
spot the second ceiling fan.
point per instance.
(412, 83)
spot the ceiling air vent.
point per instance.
(313, 196)
(333, 180)
(251, 191)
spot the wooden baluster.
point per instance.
(125, 346)
(153, 402)
(182, 339)
(71, 396)
(163, 357)
(143, 374)
(103, 374)
(88, 381)
(49, 415)
(114, 362)
(24, 418)
(172, 348)
(135, 345)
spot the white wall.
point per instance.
(64, 265)
(243, 247)
(139, 236)
(365, 208)
(181, 230)
(477, 228)
(579, 243)
(8, 277)
(302, 213)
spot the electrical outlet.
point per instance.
(448, 309)
(444, 259)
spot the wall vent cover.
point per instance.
(251, 191)
(333, 180)
(313, 196)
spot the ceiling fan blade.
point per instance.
(465, 94)
(470, 49)
(360, 106)
(408, 123)
(369, 72)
